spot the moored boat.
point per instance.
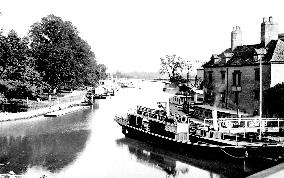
(237, 138)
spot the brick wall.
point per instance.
(247, 101)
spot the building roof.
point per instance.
(278, 54)
(248, 55)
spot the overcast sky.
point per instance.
(132, 35)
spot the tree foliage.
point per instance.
(18, 77)
(62, 57)
(173, 65)
(274, 101)
(53, 55)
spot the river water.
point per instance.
(89, 143)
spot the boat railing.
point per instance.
(254, 124)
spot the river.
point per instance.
(88, 143)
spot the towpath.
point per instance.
(69, 100)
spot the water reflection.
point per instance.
(50, 143)
(176, 165)
(52, 151)
(146, 156)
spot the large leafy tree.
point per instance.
(62, 57)
(173, 65)
(18, 77)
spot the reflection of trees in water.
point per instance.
(169, 161)
(153, 157)
(50, 151)
(14, 154)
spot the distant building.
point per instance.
(232, 78)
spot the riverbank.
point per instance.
(73, 99)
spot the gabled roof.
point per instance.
(278, 55)
(249, 55)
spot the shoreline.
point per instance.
(5, 116)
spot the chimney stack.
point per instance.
(269, 30)
(236, 37)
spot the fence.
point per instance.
(42, 107)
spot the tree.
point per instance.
(19, 79)
(102, 71)
(62, 57)
(173, 66)
(274, 101)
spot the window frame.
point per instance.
(237, 78)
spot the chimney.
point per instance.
(269, 31)
(236, 37)
(264, 19)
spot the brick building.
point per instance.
(232, 78)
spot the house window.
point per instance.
(223, 96)
(209, 95)
(223, 77)
(236, 78)
(236, 98)
(210, 77)
(256, 74)
(256, 94)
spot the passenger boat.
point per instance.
(237, 138)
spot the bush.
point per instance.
(274, 101)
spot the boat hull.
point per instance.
(187, 148)
(256, 155)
